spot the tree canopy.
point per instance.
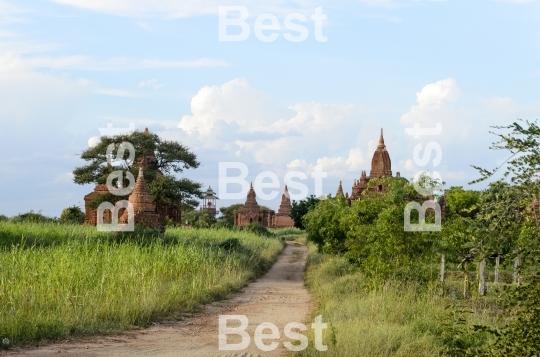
(161, 159)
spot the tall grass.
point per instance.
(287, 231)
(394, 318)
(57, 281)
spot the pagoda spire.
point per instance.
(381, 140)
(285, 206)
(339, 190)
(251, 197)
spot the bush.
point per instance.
(230, 244)
(258, 229)
(3, 218)
(72, 215)
(31, 217)
(200, 219)
(222, 224)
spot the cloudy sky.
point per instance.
(69, 67)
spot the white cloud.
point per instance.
(436, 103)
(464, 139)
(93, 141)
(237, 119)
(233, 102)
(9, 12)
(436, 93)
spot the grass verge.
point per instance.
(394, 318)
(59, 281)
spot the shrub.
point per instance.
(230, 244)
(222, 224)
(200, 219)
(258, 229)
(72, 215)
(31, 217)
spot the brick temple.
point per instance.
(140, 198)
(252, 212)
(381, 166)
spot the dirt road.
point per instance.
(278, 297)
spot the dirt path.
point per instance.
(278, 297)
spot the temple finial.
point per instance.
(381, 139)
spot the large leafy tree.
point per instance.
(503, 206)
(161, 159)
(508, 219)
(300, 208)
(227, 212)
(370, 232)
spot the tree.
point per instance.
(227, 213)
(461, 202)
(72, 215)
(508, 219)
(300, 208)
(370, 232)
(200, 219)
(160, 158)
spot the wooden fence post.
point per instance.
(482, 287)
(517, 264)
(497, 262)
(443, 266)
(466, 283)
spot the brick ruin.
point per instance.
(252, 212)
(145, 209)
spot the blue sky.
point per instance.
(69, 67)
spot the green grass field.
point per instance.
(59, 280)
(396, 318)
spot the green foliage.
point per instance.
(519, 338)
(31, 217)
(458, 335)
(200, 219)
(508, 223)
(227, 213)
(300, 208)
(72, 215)
(230, 244)
(171, 157)
(258, 229)
(367, 319)
(167, 190)
(222, 224)
(323, 224)
(457, 238)
(371, 232)
(288, 231)
(3, 218)
(523, 163)
(461, 202)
